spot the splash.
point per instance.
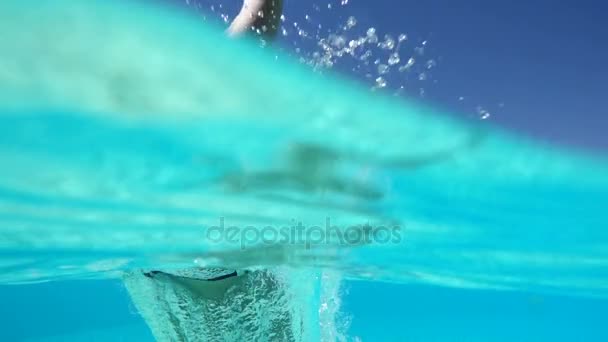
(391, 62)
(383, 61)
(272, 304)
(387, 62)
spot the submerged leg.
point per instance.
(252, 306)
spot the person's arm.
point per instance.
(260, 15)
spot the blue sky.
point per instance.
(545, 60)
(537, 66)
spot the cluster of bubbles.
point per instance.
(380, 59)
(389, 62)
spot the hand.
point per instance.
(261, 16)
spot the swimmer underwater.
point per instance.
(217, 304)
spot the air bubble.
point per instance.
(351, 22)
(483, 114)
(381, 82)
(383, 69)
(337, 41)
(365, 56)
(388, 43)
(394, 59)
(408, 65)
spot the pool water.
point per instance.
(142, 136)
(101, 310)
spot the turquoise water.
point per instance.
(387, 312)
(122, 151)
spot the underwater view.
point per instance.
(281, 170)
